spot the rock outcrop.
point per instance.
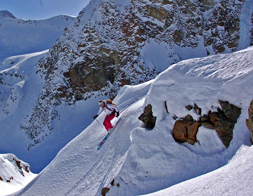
(249, 121)
(185, 130)
(223, 121)
(104, 191)
(147, 117)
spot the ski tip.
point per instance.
(98, 148)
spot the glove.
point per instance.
(94, 117)
(117, 114)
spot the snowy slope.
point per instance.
(110, 45)
(233, 179)
(18, 36)
(14, 174)
(142, 161)
(20, 87)
(19, 90)
(50, 122)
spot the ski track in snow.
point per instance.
(108, 162)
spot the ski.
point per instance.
(107, 136)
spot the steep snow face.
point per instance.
(19, 36)
(7, 14)
(142, 161)
(20, 87)
(232, 179)
(14, 174)
(246, 25)
(115, 43)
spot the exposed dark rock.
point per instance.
(112, 182)
(197, 109)
(18, 162)
(147, 117)
(205, 122)
(232, 112)
(249, 122)
(166, 107)
(251, 31)
(175, 117)
(105, 190)
(189, 107)
(185, 130)
(223, 121)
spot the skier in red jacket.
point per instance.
(111, 111)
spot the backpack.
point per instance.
(108, 101)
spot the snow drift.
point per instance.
(232, 179)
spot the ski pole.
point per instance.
(99, 122)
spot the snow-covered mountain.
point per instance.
(112, 44)
(20, 85)
(14, 174)
(6, 14)
(18, 36)
(135, 160)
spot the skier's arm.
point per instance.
(100, 111)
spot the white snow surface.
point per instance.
(143, 161)
(231, 180)
(18, 36)
(13, 178)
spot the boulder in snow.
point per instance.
(185, 130)
(105, 190)
(147, 117)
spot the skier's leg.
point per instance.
(107, 122)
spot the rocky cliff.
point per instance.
(111, 43)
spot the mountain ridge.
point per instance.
(20, 36)
(6, 13)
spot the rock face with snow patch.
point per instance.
(223, 121)
(109, 46)
(147, 117)
(251, 31)
(186, 129)
(11, 166)
(249, 122)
